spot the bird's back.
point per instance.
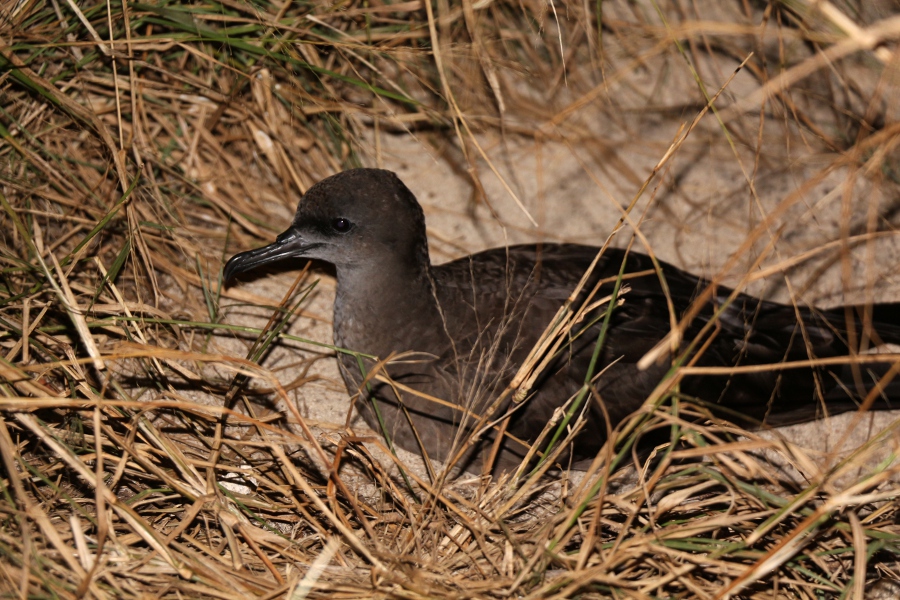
(498, 303)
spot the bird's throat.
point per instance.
(384, 309)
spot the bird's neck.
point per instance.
(386, 307)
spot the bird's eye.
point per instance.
(341, 225)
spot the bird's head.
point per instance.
(356, 218)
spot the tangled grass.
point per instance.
(143, 142)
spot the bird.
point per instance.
(435, 355)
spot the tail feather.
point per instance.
(784, 396)
(854, 382)
(884, 319)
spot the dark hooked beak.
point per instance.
(287, 245)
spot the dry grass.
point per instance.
(142, 146)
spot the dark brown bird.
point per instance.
(462, 330)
